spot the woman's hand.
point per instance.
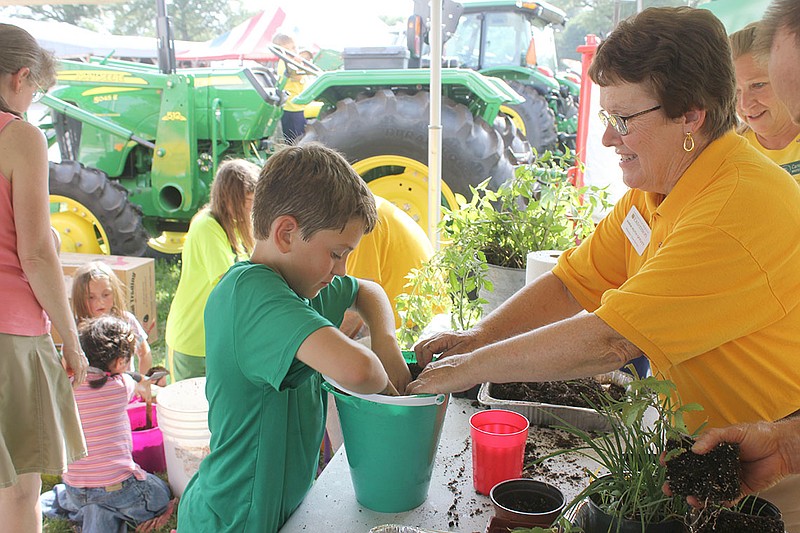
(451, 374)
(75, 363)
(447, 343)
(764, 450)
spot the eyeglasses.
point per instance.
(38, 93)
(620, 123)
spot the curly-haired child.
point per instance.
(107, 490)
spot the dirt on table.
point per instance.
(573, 393)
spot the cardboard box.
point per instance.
(137, 274)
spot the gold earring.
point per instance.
(688, 142)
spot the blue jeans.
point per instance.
(102, 510)
(641, 365)
(293, 124)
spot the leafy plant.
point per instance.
(629, 452)
(539, 209)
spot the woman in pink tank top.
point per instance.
(39, 426)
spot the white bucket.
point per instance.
(183, 419)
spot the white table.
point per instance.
(452, 503)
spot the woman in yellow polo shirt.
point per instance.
(219, 235)
(696, 266)
(767, 122)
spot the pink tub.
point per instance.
(148, 444)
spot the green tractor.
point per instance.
(376, 110)
(140, 147)
(140, 144)
(515, 40)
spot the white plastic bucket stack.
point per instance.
(183, 419)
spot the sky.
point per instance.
(336, 23)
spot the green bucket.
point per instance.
(391, 447)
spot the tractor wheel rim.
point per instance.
(407, 189)
(515, 118)
(80, 230)
(169, 242)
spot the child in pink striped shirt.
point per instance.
(107, 490)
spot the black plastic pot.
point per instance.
(527, 502)
(594, 520)
(761, 516)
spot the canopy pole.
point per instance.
(435, 126)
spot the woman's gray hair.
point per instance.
(683, 54)
(18, 49)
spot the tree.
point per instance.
(192, 20)
(599, 18)
(78, 15)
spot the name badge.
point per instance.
(636, 229)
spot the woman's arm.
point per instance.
(544, 301)
(576, 347)
(37, 254)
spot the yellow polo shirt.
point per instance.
(712, 300)
(390, 251)
(787, 157)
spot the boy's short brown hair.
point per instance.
(315, 185)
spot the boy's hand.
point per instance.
(393, 362)
(390, 390)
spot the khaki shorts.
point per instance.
(184, 366)
(40, 430)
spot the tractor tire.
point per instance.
(94, 214)
(517, 148)
(396, 125)
(536, 117)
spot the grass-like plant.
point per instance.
(641, 424)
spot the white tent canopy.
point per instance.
(66, 40)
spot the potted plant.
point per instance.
(748, 515)
(629, 497)
(527, 501)
(538, 209)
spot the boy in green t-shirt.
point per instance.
(271, 330)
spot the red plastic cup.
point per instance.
(498, 447)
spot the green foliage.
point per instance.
(168, 273)
(538, 209)
(599, 17)
(192, 20)
(630, 452)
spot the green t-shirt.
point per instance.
(206, 256)
(266, 408)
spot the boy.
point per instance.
(271, 329)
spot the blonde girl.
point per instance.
(40, 431)
(219, 235)
(96, 292)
